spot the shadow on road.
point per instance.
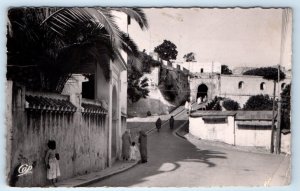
(166, 154)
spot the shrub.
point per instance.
(149, 113)
(171, 92)
(214, 104)
(259, 102)
(268, 73)
(231, 105)
(217, 106)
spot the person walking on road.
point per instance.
(143, 146)
(126, 143)
(171, 121)
(158, 124)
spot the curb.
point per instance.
(105, 176)
(176, 131)
(91, 181)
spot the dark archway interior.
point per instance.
(202, 91)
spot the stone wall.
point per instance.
(236, 87)
(156, 102)
(81, 137)
(177, 78)
(212, 81)
(251, 85)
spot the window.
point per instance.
(241, 85)
(88, 87)
(215, 120)
(262, 86)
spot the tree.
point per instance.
(45, 45)
(168, 84)
(189, 57)
(286, 97)
(171, 91)
(259, 102)
(286, 107)
(148, 62)
(276, 75)
(167, 50)
(268, 73)
(225, 70)
(137, 87)
(231, 105)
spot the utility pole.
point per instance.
(273, 120)
(278, 130)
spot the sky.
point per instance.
(234, 37)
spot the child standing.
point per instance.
(52, 164)
(134, 152)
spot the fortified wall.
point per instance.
(237, 87)
(156, 103)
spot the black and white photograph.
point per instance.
(148, 97)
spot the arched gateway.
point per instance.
(202, 91)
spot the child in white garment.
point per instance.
(134, 152)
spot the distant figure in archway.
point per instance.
(202, 92)
(204, 99)
(199, 100)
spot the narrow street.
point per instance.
(176, 162)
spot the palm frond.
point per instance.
(137, 14)
(128, 45)
(135, 62)
(71, 18)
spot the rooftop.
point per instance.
(254, 115)
(46, 103)
(240, 115)
(202, 113)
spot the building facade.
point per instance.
(87, 128)
(238, 128)
(237, 87)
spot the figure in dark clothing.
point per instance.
(158, 124)
(171, 121)
(143, 146)
(126, 143)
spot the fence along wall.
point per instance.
(81, 136)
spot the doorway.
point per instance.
(202, 92)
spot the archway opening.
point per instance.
(114, 124)
(202, 92)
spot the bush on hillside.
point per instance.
(259, 102)
(231, 105)
(214, 104)
(149, 113)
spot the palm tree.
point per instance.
(46, 45)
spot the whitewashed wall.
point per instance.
(253, 137)
(222, 132)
